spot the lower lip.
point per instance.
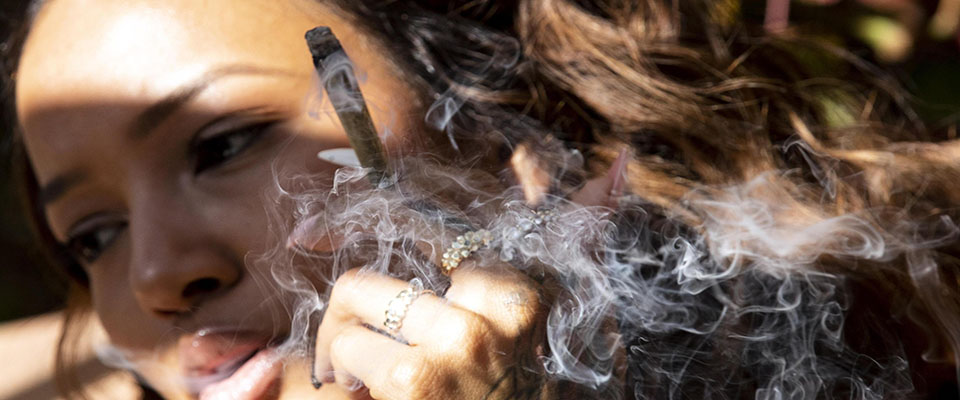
(251, 381)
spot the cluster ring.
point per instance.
(540, 217)
(398, 306)
(463, 247)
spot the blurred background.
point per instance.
(916, 40)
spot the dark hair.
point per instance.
(705, 102)
(16, 23)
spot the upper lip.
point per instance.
(211, 355)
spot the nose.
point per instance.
(178, 260)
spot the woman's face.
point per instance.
(155, 129)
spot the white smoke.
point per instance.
(736, 307)
(736, 304)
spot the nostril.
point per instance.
(167, 313)
(200, 287)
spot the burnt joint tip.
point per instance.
(322, 43)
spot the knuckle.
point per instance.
(341, 346)
(524, 306)
(344, 287)
(466, 324)
(348, 277)
(341, 341)
(466, 336)
(411, 376)
(405, 372)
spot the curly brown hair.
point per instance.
(706, 102)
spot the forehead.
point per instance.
(123, 50)
(83, 58)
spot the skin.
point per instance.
(88, 73)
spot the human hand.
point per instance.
(471, 343)
(480, 340)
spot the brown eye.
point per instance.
(217, 150)
(88, 246)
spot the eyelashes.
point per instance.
(214, 151)
(97, 233)
(87, 246)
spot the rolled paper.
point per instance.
(350, 107)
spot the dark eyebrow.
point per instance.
(155, 115)
(53, 190)
(163, 109)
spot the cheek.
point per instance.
(114, 303)
(236, 218)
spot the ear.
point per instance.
(605, 190)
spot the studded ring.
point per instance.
(463, 247)
(398, 306)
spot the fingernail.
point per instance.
(345, 157)
(308, 235)
(314, 322)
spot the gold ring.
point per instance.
(463, 247)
